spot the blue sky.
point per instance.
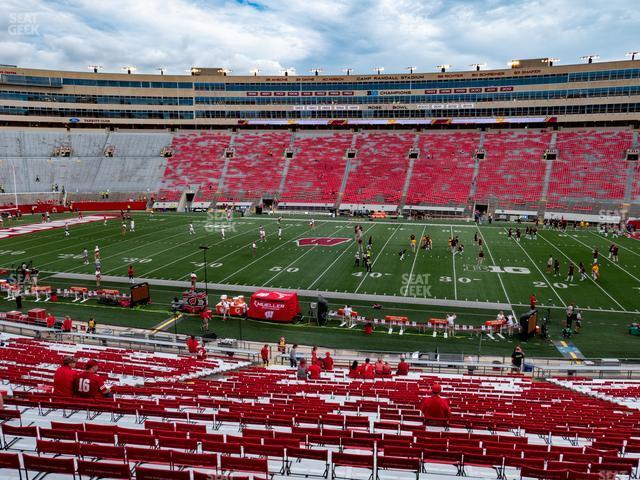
(304, 34)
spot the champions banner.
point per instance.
(274, 306)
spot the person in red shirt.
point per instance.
(89, 384)
(314, 355)
(435, 407)
(355, 370)
(201, 353)
(314, 371)
(192, 345)
(532, 301)
(67, 324)
(386, 369)
(379, 367)
(64, 378)
(327, 363)
(368, 329)
(367, 370)
(51, 321)
(403, 367)
(264, 354)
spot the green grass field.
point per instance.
(420, 286)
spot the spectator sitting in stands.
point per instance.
(64, 378)
(327, 363)
(403, 367)
(367, 370)
(379, 367)
(435, 407)
(302, 370)
(89, 384)
(354, 370)
(386, 369)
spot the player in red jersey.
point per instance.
(89, 384)
(64, 378)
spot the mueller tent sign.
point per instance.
(274, 306)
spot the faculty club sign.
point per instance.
(321, 241)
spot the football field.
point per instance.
(316, 260)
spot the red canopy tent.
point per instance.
(274, 306)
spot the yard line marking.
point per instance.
(306, 232)
(349, 246)
(211, 245)
(540, 272)
(376, 259)
(166, 323)
(506, 295)
(414, 262)
(108, 245)
(608, 260)
(309, 250)
(588, 276)
(453, 261)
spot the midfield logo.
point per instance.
(321, 241)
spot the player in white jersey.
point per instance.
(254, 247)
(85, 257)
(222, 232)
(263, 234)
(191, 229)
(66, 229)
(312, 224)
(279, 233)
(132, 225)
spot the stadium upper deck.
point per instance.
(532, 92)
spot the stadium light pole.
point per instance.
(378, 70)
(478, 66)
(161, 70)
(347, 70)
(589, 58)
(632, 55)
(550, 61)
(129, 69)
(226, 71)
(316, 71)
(254, 71)
(287, 71)
(411, 69)
(443, 68)
(204, 249)
(95, 68)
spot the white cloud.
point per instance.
(331, 34)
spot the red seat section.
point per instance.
(198, 158)
(513, 170)
(378, 173)
(590, 167)
(443, 173)
(317, 169)
(256, 167)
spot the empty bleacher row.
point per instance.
(623, 391)
(320, 167)
(264, 422)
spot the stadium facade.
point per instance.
(531, 92)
